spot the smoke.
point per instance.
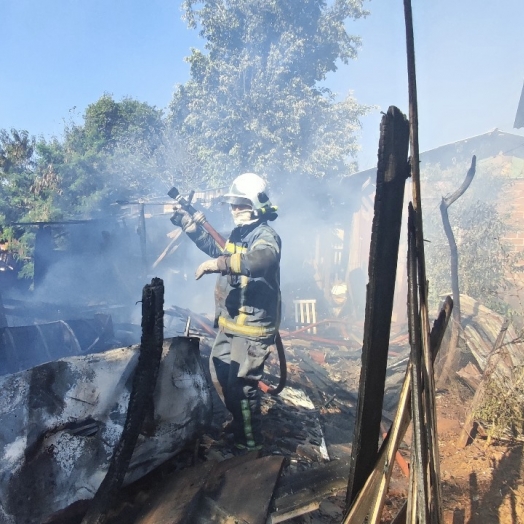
(146, 169)
(101, 265)
(315, 224)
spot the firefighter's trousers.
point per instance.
(236, 365)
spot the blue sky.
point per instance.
(60, 56)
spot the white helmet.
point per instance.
(248, 189)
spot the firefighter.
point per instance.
(247, 298)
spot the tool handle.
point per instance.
(219, 239)
(186, 205)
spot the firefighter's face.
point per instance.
(241, 213)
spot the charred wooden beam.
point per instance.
(453, 354)
(369, 502)
(144, 382)
(430, 416)
(392, 171)
(419, 485)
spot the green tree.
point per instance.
(255, 101)
(17, 173)
(118, 151)
(27, 191)
(113, 154)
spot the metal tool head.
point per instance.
(173, 192)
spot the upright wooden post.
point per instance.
(144, 382)
(427, 378)
(452, 356)
(392, 171)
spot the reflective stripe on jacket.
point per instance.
(247, 298)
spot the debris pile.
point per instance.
(492, 367)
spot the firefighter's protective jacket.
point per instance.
(248, 296)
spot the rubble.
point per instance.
(60, 421)
(65, 417)
(307, 429)
(23, 347)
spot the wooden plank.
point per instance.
(428, 376)
(241, 494)
(301, 509)
(470, 375)
(419, 450)
(389, 198)
(372, 495)
(182, 498)
(304, 491)
(370, 499)
(171, 247)
(468, 431)
(393, 440)
(175, 502)
(225, 465)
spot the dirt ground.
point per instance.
(481, 484)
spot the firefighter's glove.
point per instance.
(215, 265)
(183, 219)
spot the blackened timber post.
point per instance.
(392, 171)
(141, 399)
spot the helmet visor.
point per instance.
(236, 200)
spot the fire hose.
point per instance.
(221, 241)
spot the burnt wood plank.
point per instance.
(392, 171)
(179, 497)
(240, 494)
(144, 382)
(304, 491)
(183, 496)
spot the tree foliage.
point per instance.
(17, 173)
(121, 150)
(109, 156)
(486, 260)
(254, 99)
(25, 191)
